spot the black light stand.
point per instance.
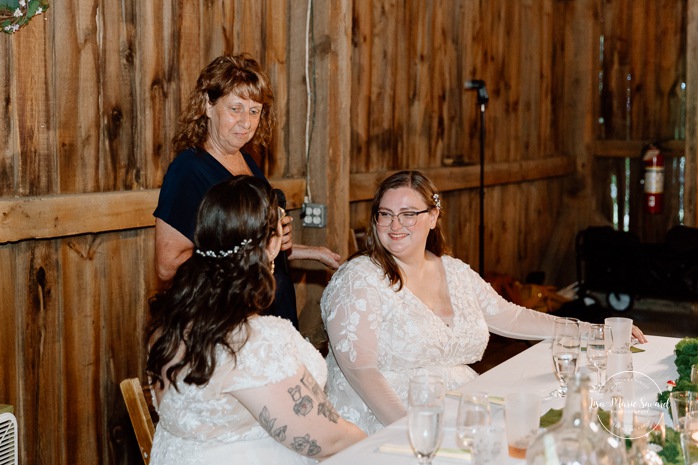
(482, 99)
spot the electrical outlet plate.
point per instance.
(314, 215)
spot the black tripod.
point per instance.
(482, 99)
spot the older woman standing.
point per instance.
(230, 108)
(403, 304)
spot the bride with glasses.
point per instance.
(403, 304)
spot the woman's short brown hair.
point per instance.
(238, 74)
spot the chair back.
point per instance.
(139, 413)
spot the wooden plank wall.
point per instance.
(642, 98)
(410, 109)
(90, 94)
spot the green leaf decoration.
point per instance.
(686, 351)
(15, 14)
(550, 417)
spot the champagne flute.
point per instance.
(566, 347)
(598, 345)
(425, 416)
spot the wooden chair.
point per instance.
(139, 412)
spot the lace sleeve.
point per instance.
(352, 310)
(269, 355)
(508, 319)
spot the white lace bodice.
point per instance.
(204, 424)
(379, 337)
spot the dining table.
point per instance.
(529, 371)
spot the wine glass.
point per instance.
(473, 414)
(425, 422)
(598, 345)
(566, 347)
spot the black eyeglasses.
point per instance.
(407, 219)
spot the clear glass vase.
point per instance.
(579, 437)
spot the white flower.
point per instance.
(18, 13)
(39, 11)
(22, 3)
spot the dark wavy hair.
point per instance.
(238, 74)
(212, 296)
(436, 240)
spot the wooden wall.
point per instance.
(90, 93)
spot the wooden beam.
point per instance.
(69, 215)
(453, 178)
(64, 215)
(633, 148)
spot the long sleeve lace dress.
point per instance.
(208, 425)
(380, 337)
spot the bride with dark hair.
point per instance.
(230, 382)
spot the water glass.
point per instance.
(473, 414)
(565, 349)
(622, 331)
(598, 345)
(649, 422)
(689, 446)
(488, 446)
(619, 374)
(425, 416)
(522, 418)
(681, 403)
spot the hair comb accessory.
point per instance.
(437, 200)
(223, 253)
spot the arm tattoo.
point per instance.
(325, 407)
(303, 404)
(268, 424)
(305, 445)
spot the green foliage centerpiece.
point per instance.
(686, 356)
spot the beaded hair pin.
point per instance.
(223, 253)
(437, 200)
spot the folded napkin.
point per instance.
(459, 454)
(633, 349)
(497, 400)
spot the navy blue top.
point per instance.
(190, 175)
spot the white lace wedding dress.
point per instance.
(379, 337)
(207, 425)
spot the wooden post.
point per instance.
(692, 114)
(328, 161)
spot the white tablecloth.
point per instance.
(531, 371)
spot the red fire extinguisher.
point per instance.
(653, 161)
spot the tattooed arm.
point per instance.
(296, 413)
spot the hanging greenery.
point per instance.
(15, 14)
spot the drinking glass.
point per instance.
(598, 345)
(566, 346)
(622, 332)
(681, 403)
(489, 446)
(473, 414)
(425, 416)
(522, 420)
(649, 422)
